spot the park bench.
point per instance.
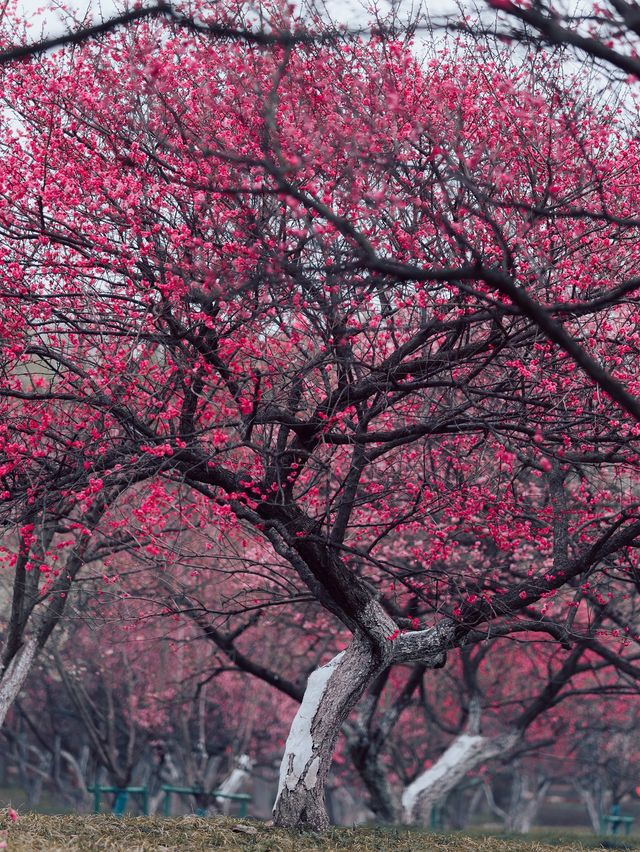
(611, 823)
(169, 790)
(122, 797)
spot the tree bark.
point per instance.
(465, 753)
(331, 693)
(15, 675)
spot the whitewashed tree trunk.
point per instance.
(15, 675)
(465, 753)
(491, 801)
(239, 776)
(528, 813)
(591, 802)
(168, 773)
(332, 691)
(526, 800)
(80, 795)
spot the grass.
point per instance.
(75, 832)
(570, 838)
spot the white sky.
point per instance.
(46, 17)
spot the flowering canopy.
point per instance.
(204, 264)
(322, 287)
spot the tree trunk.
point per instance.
(522, 821)
(465, 753)
(525, 802)
(473, 806)
(77, 792)
(15, 675)
(592, 800)
(332, 691)
(239, 776)
(366, 761)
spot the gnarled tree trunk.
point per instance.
(367, 737)
(332, 691)
(465, 753)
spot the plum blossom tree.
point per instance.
(373, 310)
(497, 700)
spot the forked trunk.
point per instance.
(465, 753)
(522, 821)
(527, 796)
(15, 675)
(331, 693)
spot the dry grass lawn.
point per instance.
(69, 833)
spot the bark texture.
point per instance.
(465, 753)
(15, 675)
(239, 776)
(331, 693)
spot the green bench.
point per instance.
(169, 790)
(121, 798)
(611, 823)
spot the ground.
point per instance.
(72, 833)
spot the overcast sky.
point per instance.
(349, 12)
